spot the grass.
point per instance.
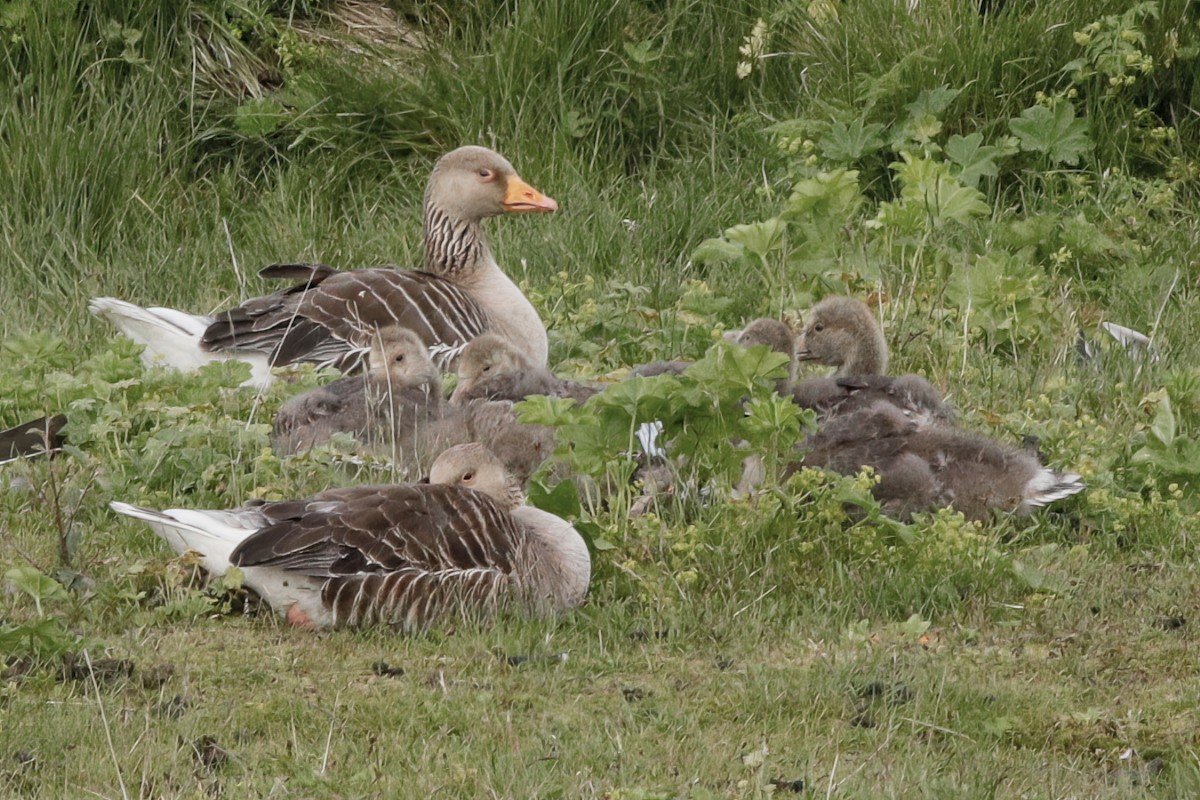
(725, 645)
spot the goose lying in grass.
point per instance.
(405, 555)
(396, 410)
(461, 292)
(901, 427)
(924, 466)
(491, 368)
(398, 396)
(34, 438)
(841, 332)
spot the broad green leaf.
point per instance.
(35, 583)
(1054, 132)
(562, 500)
(760, 238)
(1163, 426)
(932, 102)
(259, 117)
(828, 194)
(717, 251)
(846, 144)
(973, 157)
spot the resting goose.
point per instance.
(460, 293)
(924, 466)
(841, 332)
(386, 407)
(397, 410)
(404, 555)
(491, 368)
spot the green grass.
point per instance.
(1049, 656)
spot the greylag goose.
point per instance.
(460, 293)
(36, 437)
(490, 368)
(924, 466)
(841, 332)
(404, 555)
(398, 396)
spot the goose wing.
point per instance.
(380, 529)
(403, 554)
(320, 319)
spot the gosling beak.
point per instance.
(804, 354)
(520, 196)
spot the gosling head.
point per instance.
(842, 333)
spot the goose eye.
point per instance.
(485, 173)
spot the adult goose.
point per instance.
(387, 407)
(491, 368)
(405, 555)
(460, 293)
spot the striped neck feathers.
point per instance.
(454, 247)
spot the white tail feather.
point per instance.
(171, 338)
(215, 535)
(1048, 486)
(212, 534)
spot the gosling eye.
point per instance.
(467, 477)
(818, 327)
(487, 368)
(400, 358)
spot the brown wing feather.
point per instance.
(383, 529)
(317, 321)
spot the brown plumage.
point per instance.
(842, 333)
(33, 438)
(925, 466)
(403, 555)
(460, 293)
(384, 408)
(490, 368)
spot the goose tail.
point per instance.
(172, 338)
(1049, 486)
(212, 534)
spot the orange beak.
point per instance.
(520, 196)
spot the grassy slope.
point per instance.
(120, 186)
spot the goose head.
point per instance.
(400, 358)
(473, 466)
(472, 183)
(841, 332)
(484, 356)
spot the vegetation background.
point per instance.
(996, 184)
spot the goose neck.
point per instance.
(454, 247)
